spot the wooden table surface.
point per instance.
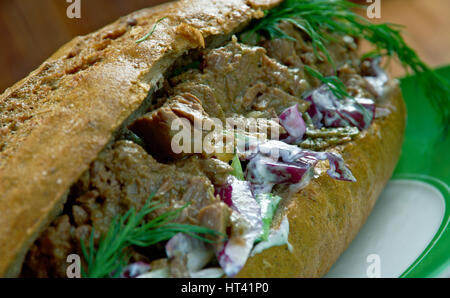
(31, 30)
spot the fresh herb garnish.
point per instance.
(336, 86)
(151, 31)
(269, 204)
(317, 18)
(110, 256)
(237, 168)
(131, 136)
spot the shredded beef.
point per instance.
(121, 178)
(237, 81)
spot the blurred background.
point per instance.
(31, 30)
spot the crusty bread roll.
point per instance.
(57, 120)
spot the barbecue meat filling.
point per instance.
(234, 81)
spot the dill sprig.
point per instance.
(317, 18)
(110, 256)
(150, 33)
(336, 86)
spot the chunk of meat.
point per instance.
(261, 128)
(205, 94)
(298, 51)
(288, 51)
(179, 191)
(216, 217)
(155, 128)
(216, 170)
(234, 70)
(276, 99)
(48, 256)
(252, 93)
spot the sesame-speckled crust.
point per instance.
(326, 215)
(57, 120)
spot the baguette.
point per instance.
(56, 122)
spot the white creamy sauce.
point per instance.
(208, 273)
(378, 82)
(158, 273)
(323, 99)
(382, 112)
(277, 237)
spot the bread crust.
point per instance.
(83, 93)
(326, 215)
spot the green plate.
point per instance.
(425, 157)
(408, 234)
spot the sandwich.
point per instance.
(198, 138)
